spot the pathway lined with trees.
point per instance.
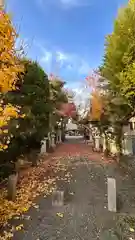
(34, 110)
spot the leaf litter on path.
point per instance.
(31, 186)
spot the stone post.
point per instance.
(12, 183)
(49, 139)
(53, 141)
(90, 137)
(97, 143)
(113, 148)
(43, 148)
(59, 135)
(111, 194)
(127, 145)
(104, 143)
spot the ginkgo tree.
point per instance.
(10, 68)
(119, 58)
(118, 69)
(10, 64)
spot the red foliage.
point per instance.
(67, 109)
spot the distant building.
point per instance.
(71, 126)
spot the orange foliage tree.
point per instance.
(96, 101)
(96, 106)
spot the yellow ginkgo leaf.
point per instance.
(5, 131)
(61, 215)
(71, 193)
(16, 217)
(131, 229)
(36, 206)
(25, 209)
(18, 228)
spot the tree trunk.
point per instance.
(106, 152)
(119, 142)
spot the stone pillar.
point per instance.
(90, 137)
(97, 143)
(113, 148)
(53, 141)
(49, 139)
(12, 183)
(111, 194)
(104, 143)
(43, 148)
(127, 145)
(59, 134)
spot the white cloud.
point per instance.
(81, 95)
(66, 4)
(84, 67)
(75, 3)
(63, 60)
(73, 62)
(47, 57)
(69, 2)
(61, 57)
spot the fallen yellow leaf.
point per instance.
(18, 228)
(25, 209)
(71, 193)
(131, 229)
(16, 217)
(36, 206)
(61, 215)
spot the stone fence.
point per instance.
(53, 139)
(128, 144)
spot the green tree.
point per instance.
(32, 94)
(58, 96)
(118, 70)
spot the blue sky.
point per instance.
(65, 36)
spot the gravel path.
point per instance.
(84, 215)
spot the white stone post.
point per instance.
(111, 194)
(49, 139)
(127, 145)
(97, 143)
(53, 141)
(43, 148)
(104, 143)
(90, 137)
(12, 183)
(113, 148)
